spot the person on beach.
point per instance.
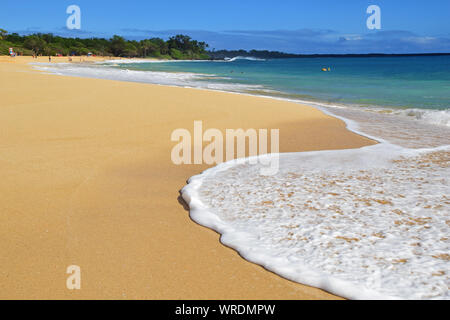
(49, 59)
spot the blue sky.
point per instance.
(299, 26)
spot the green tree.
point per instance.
(3, 34)
(177, 47)
(14, 38)
(180, 42)
(161, 46)
(130, 50)
(35, 43)
(149, 48)
(118, 46)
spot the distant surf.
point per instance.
(179, 79)
(243, 58)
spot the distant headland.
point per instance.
(265, 54)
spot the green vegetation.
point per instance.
(179, 47)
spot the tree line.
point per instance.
(177, 47)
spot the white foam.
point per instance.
(368, 223)
(131, 61)
(179, 79)
(439, 117)
(126, 61)
(243, 58)
(397, 128)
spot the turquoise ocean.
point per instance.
(400, 82)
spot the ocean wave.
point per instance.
(126, 61)
(373, 225)
(368, 223)
(179, 79)
(243, 58)
(431, 116)
(139, 61)
(411, 128)
(438, 117)
(394, 126)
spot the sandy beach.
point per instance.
(87, 179)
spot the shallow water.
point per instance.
(413, 82)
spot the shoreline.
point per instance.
(432, 116)
(99, 208)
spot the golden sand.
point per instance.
(86, 179)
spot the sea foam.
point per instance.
(178, 79)
(368, 223)
(242, 58)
